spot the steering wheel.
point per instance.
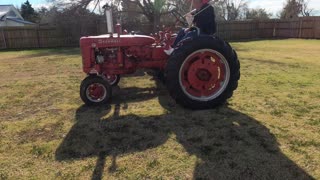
(179, 18)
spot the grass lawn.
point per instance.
(270, 128)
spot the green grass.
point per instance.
(270, 128)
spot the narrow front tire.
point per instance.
(94, 90)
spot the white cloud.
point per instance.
(315, 5)
(92, 5)
(38, 6)
(275, 6)
(272, 6)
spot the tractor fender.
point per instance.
(96, 74)
(191, 39)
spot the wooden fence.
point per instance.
(33, 37)
(40, 37)
(304, 27)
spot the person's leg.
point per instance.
(179, 37)
(191, 34)
(182, 35)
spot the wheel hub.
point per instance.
(204, 74)
(96, 92)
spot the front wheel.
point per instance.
(203, 73)
(94, 90)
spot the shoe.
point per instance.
(169, 51)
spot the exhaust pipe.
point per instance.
(109, 18)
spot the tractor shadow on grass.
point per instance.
(230, 144)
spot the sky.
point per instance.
(272, 6)
(275, 6)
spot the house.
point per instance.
(10, 16)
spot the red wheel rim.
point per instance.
(96, 92)
(112, 79)
(204, 75)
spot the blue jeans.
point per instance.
(182, 35)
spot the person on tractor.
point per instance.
(201, 20)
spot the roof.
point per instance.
(2, 14)
(9, 11)
(5, 8)
(20, 21)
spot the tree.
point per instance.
(306, 11)
(294, 9)
(229, 10)
(28, 13)
(48, 16)
(257, 14)
(152, 10)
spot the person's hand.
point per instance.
(189, 18)
(186, 30)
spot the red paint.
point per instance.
(123, 54)
(202, 74)
(96, 91)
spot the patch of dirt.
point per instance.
(31, 56)
(47, 133)
(22, 111)
(16, 115)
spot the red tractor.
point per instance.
(201, 73)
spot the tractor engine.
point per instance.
(103, 55)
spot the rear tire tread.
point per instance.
(178, 57)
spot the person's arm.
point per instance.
(205, 21)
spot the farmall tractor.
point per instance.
(201, 73)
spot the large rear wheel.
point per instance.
(203, 73)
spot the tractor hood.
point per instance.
(124, 40)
